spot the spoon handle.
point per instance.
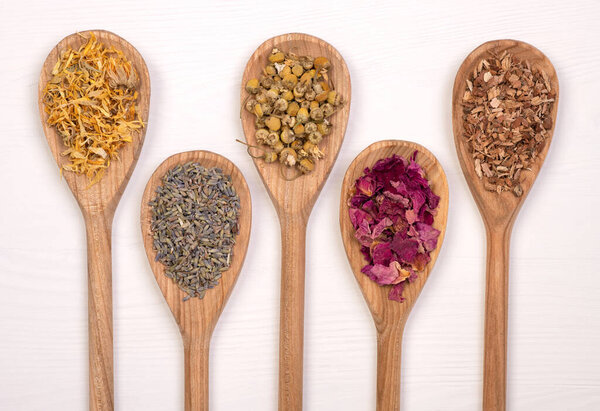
(98, 228)
(291, 326)
(389, 353)
(496, 319)
(196, 374)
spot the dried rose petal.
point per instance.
(392, 209)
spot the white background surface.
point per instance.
(402, 59)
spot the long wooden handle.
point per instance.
(291, 327)
(389, 352)
(98, 228)
(196, 374)
(496, 320)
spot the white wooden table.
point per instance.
(402, 59)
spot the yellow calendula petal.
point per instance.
(91, 101)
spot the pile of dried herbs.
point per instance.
(91, 101)
(194, 225)
(392, 208)
(507, 106)
(292, 102)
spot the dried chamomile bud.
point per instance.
(292, 101)
(321, 63)
(297, 70)
(293, 108)
(250, 103)
(313, 150)
(287, 70)
(334, 98)
(289, 81)
(270, 157)
(272, 139)
(266, 109)
(321, 97)
(299, 129)
(288, 121)
(288, 157)
(271, 95)
(261, 136)
(317, 114)
(270, 70)
(258, 110)
(261, 97)
(296, 145)
(252, 86)
(302, 154)
(315, 137)
(327, 109)
(280, 105)
(276, 56)
(310, 127)
(323, 128)
(306, 165)
(302, 115)
(266, 82)
(287, 136)
(298, 94)
(306, 62)
(307, 76)
(273, 123)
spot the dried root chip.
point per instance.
(507, 118)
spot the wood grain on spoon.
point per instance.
(293, 201)
(499, 212)
(98, 204)
(390, 316)
(197, 317)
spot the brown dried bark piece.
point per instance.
(507, 107)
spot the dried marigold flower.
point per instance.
(91, 100)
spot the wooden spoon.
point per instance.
(98, 204)
(499, 213)
(197, 317)
(293, 201)
(390, 316)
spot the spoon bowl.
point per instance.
(498, 209)
(98, 203)
(499, 212)
(390, 316)
(197, 317)
(293, 201)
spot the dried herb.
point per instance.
(392, 209)
(507, 106)
(194, 225)
(91, 101)
(292, 102)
